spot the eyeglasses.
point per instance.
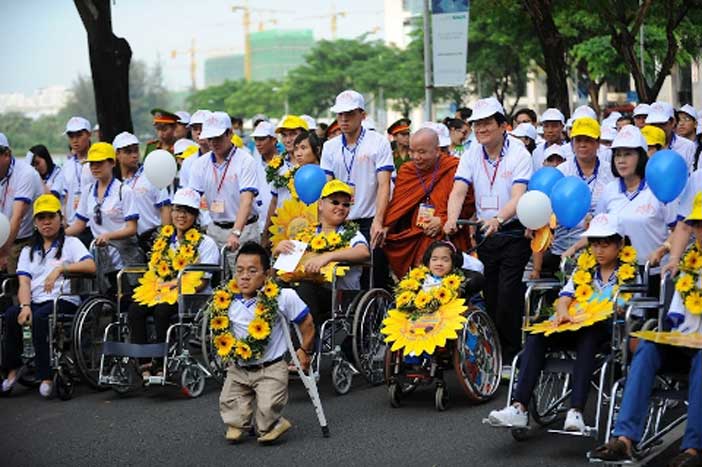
(180, 210)
(97, 213)
(685, 118)
(336, 202)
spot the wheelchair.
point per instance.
(667, 413)
(189, 357)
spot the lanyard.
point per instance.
(592, 177)
(6, 182)
(78, 169)
(672, 140)
(631, 196)
(433, 179)
(107, 192)
(226, 168)
(486, 157)
(349, 167)
(133, 181)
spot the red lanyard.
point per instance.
(494, 174)
(226, 168)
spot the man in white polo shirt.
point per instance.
(226, 178)
(499, 168)
(362, 159)
(553, 122)
(20, 185)
(662, 115)
(76, 175)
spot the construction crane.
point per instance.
(193, 63)
(333, 16)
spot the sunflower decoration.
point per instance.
(691, 340)
(279, 173)
(159, 284)
(254, 344)
(426, 314)
(687, 280)
(292, 217)
(582, 315)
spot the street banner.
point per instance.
(449, 26)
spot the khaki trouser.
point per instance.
(220, 236)
(13, 258)
(267, 388)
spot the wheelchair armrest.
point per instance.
(10, 285)
(633, 288)
(135, 268)
(543, 284)
(200, 267)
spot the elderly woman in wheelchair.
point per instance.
(42, 269)
(579, 322)
(676, 348)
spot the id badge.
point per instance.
(424, 215)
(76, 201)
(217, 206)
(489, 202)
(203, 203)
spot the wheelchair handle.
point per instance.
(469, 222)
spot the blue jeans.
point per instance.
(648, 359)
(40, 336)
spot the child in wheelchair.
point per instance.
(49, 256)
(596, 279)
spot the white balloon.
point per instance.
(534, 209)
(4, 229)
(160, 168)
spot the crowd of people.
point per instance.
(390, 196)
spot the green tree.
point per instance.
(254, 97)
(212, 97)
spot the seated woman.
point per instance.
(598, 275)
(652, 357)
(49, 256)
(108, 208)
(181, 244)
(352, 247)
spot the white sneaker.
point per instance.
(8, 383)
(574, 421)
(45, 389)
(511, 416)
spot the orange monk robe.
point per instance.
(406, 242)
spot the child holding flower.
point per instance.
(601, 269)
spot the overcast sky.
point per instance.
(44, 42)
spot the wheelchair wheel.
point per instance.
(550, 388)
(63, 386)
(441, 398)
(125, 376)
(405, 385)
(28, 376)
(88, 332)
(342, 377)
(212, 361)
(477, 357)
(394, 392)
(368, 343)
(192, 381)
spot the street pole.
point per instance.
(641, 46)
(428, 81)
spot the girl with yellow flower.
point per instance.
(590, 283)
(177, 246)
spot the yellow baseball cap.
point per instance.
(336, 186)
(696, 214)
(46, 203)
(653, 135)
(237, 141)
(586, 126)
(99, 152)
(291, 122)
(189, 151)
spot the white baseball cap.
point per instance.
(688, 109)
(259, 117)
(124, 139)
(311, 122)
(264, 129)
(584, 111)
(441, 131)
(525, 129)
(609, 122)
(552, 115)
(602, 226)
(182, 144)
(554, 150)
(3, 141)
(484, 108)
(216, 124)
(199, 117)
(615, 115)
(641, 109)
(368, 123)
(660, 112)
(183, 117)
(347, 101)
(187, 197)
(607, 133)
(630, 137)
(76, 124)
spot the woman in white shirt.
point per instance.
(50, 173)
(49, 256)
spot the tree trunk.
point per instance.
(593, 91)
(553, 46)
(109, 65)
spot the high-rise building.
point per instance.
(224, 68)
(275, 52)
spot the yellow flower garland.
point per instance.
(687, 279)
(584, 274)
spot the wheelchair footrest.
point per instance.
(590, 432)
(124, 349)
(486, 421)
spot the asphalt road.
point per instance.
(160, 426)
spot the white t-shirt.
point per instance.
(492, 180)
(644, 219)
(54, 182)
(39, 267)
(148, 200)
(687, 197)
(77, 178)
(221, 184)
(359, 167)
(263, 200)
(118, 207)
(685, 148)
(241, 313)
(186, 167)
(22, 183)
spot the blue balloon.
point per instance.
(544, 179)
(309, 181)
(570, 199)
(666, 175)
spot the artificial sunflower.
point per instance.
(224, 344)
(443, 295)
(693, 303)
(179, 262)
(243, 350)
(685, 283)
(692, 340)
(405, 298)
(318, 243)
(409, 284)
(582, 315)
(193, 235)
(260, 310)
(167, 230)
(290, 219)
(583, 293)
(147, 290)
(162, 269)
(586, 260)
(422, 299)
(233, 287)
(452, 281)
(581, 277)
(628, 255)
(333, 239)
(159, 245)
(419, 273)
(626, 272)
(221, 300)
(219, 322)
(271, 289)
(693, 260)
(259, 329)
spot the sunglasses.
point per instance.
(336, 202)
(97, 212)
